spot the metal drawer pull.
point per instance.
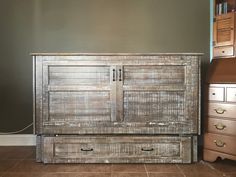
(120, 79)
(220, 111)
(220, 126)
(114, 74)
(213, 93)
(86, 149)
(147, 149)
(219, 143)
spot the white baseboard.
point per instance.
(18, 140)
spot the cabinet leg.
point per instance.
(209, 156)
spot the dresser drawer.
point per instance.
(220, 143)
(116, 149)
(222, 126)
(223, 51)
(222, 110)
(216, 93)
(231, 94)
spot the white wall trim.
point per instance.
(18, 140)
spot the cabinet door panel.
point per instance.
(147, 106)
(78, 75)
(153, 75)
(224, 30)
(160, 98)
(77, 95)
(79, 106)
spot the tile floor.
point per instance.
(19, 162)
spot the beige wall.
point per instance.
(88, 26)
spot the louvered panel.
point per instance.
(153, 75)
(224, 35)
(140, 106)
(79, 75)
(224, 23)
(79, 106)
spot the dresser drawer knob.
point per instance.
(220, 126)
(147, 149)
(220, 111)
(219, 143)
(82, 149)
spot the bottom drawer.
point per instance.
(115, 149)
(220, 143)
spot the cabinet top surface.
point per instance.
(116, 54)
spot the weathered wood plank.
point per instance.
(117, 149)
(117, 95)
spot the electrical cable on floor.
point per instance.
(15, 132)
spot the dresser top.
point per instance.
(222, 71)
(117, 54)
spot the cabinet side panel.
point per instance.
(38, 94)
(34, 94)
(199, 96)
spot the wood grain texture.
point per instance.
(220, 134)
(220, 143)
(116, 149)
(117, 94)
(222, 110)
(222, 126)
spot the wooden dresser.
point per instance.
(220, 133)
(116, 108)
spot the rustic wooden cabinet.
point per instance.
(116, 108)
(224, 38)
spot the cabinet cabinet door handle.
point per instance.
(147, 149)
(120, 75)
(82, 149)
(114, 74)
(220, 111)
(220, 126)
(219, 143)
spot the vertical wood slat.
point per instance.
(120, 97)
(113, 93)
(39, 94)
(34, 94)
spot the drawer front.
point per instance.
(116, 149)
(216, 93)
(222, 126)
(221, 143)
(222, 110)
(223, 51)
(231, 94)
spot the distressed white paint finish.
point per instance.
(117, 95)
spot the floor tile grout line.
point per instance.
(181, 171)
(111, 170)
(146, 170)
(212, 167)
